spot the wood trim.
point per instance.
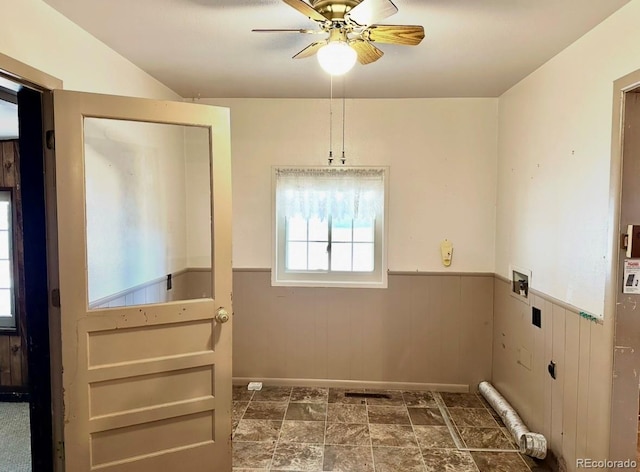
(36, 113)
(25, 74)
(334, 383)
(32, 175)
(389, 272)
(445, 274)
(51, 278)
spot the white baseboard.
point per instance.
(286, 382)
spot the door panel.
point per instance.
(146, 366)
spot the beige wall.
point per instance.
(34, 33)
(553, 217)
(442, 159)
(424, 329)
(554, 160)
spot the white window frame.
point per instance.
(282, 277)
(10, 323)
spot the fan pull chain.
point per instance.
(331, 123)
(344, 158)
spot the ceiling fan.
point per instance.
(351, 28)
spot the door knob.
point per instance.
(222, 315)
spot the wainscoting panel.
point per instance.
(424, 328)
(572, 410)
(154, 291)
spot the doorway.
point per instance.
(14, 408)
(623, 290)
(25, 382)
(188, 424)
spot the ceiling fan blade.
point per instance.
(306, 9)
(304, 31)
(371, 11)
(310, 50)
(367, 52)
(395, 34)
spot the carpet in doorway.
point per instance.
(15, 438)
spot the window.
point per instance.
(330, 227)
(7, 300)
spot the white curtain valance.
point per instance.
(343, 193)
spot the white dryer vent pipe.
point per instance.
(531, 444)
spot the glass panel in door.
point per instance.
(148, 212)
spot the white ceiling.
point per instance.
(472, 48)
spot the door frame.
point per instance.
(44, 83)
(624, 392)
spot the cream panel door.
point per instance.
(143, 193)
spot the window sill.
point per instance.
(329, 283)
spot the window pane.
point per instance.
(4, 215)
(4, 244)
(318, 230)
(146, 183)
(341, 230)
(296, 229)
(328, 246)
(5, 274)
(363, 230)
(5, 303)
(318, 256)
(296, 256)
(341, 257)
(363, 257)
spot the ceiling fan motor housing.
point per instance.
(334, 9)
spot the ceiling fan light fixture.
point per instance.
(337, 58)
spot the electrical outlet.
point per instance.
(536, 317)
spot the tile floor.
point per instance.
(319, 429)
